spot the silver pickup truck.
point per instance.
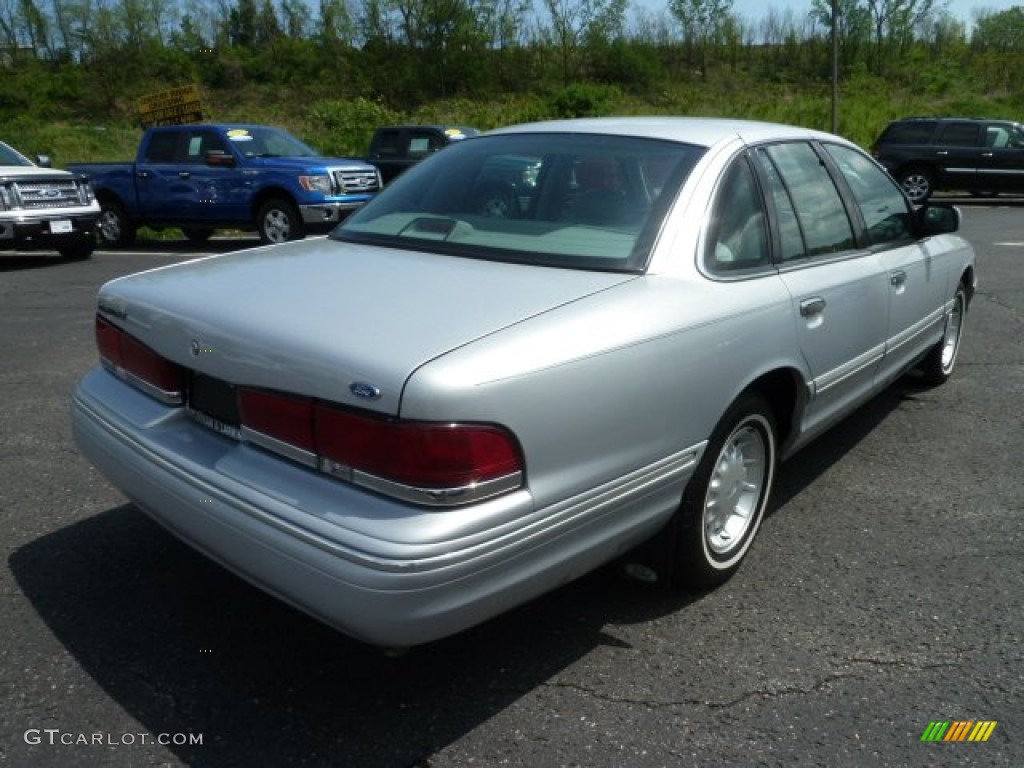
(45, 209)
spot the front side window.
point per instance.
(583, 201)
(817, 206)
(202, 142)
(885, 209)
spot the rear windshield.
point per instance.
(582, 201)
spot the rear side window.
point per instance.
(739, 234)
(961, 135)
(915, 132)
(162, 147)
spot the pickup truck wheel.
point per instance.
(81, 249)
(198, 234)
(114, 228)
(725, 499)
(278, 221)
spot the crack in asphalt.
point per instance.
(770, 693)
(713, 705)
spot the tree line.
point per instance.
(411, 51)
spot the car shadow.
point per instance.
(183, 646)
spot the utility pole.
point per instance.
(835, 66)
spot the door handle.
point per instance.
(184, 175)
(899, 277)
(810, 307)
(942, 153)
(987, 154)
(142, 174)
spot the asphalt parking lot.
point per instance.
(885, 592)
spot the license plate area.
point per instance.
(214, 404)
(61, 227)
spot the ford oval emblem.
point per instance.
(364, 390)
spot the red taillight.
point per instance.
(108, 341)
(425, 462)
(283, 417)
(143, 362)
(136, 362)
(419, 454)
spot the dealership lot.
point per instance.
(886, 591)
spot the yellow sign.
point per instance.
(175, 106)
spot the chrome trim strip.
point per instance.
(289, 451)
(167, 397)
(838, 375)
(436, 497)
(915, 330)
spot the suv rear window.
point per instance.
(960, 135)
(908, 132)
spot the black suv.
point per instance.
(924, 154)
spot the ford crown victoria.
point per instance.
(441, 411)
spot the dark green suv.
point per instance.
(983, 157)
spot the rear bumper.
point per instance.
(384, 572)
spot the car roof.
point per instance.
(706, 131)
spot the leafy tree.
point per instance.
(703, 23)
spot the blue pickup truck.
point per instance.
(206, 177)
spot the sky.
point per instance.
(755, 10)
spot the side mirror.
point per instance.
(937, 219)
(220, 158)
(43, 161)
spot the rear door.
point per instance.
(840, 294)
(161, 192)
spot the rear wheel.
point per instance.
(725, 500)
(114, 228)
(918, 183)
(938, 365)
(278, 221)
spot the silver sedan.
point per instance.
(448, 407)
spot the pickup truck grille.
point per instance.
(48, 194)
(350, 182)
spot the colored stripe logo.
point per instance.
(959, 730)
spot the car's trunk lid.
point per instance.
(337, 321)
